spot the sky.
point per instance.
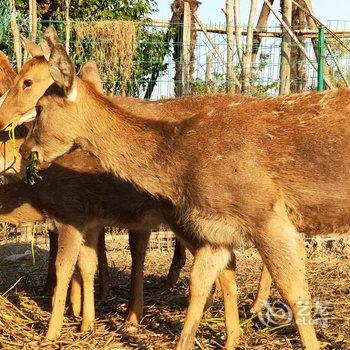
(210, 10)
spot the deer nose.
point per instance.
(25, 151)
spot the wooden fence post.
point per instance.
(230, 86)
(284, 87)
(262, 22)
(247, 62)
(186, 49)
(16, 39)
(68, 26)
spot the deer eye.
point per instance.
(27, 83)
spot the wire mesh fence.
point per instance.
(134, 56)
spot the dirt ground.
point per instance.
(24, 311)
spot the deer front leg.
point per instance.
(208, 262)
(87, 262)
(138, 242)
(69, 242)
(178, 262)
(283, 252)
(263, 292)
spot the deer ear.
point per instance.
(33, 49)
(60, 65)
(89, 72)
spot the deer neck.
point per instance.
(129, 146)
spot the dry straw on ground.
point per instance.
(24, 311)
(113, 45)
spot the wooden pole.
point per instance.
(34, 28)
(298, 74)
(186, 49)
(284, 87)
(208, 74)
(261, 24)
(249, 49)
(230, 86)
(327, 81)
(238, 31)
(17, 48)
(264, 33)
(68, 26)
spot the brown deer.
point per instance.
(276, 160)
(90, 239)
(14, 170)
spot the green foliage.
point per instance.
(258, 86)
(150, 53)
(93, 10)
(217, 84)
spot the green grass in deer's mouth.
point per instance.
(32, 175)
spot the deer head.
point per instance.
(18, 106)
(37, 74)
(53, 132)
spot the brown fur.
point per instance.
(283, 164)
(77, 220)
(7, 73)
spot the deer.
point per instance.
(65, 230)
(15, 170)
(16, 165)
(276, 177)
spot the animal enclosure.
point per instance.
(154, 60)
(144, 59)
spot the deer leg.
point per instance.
(208, 262)
(263, 290)
(178, 262)
(87, 262)
(283, 251)
(103, 272)
(51, 272)
(69, 242)
(227, 279)
(75, 293)
(138, 242)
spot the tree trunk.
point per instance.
(238, 31)
(285, 48)
(17, 48)
(249, 49)
(297, 70)
(262, 22)
(68, 25)
(34, 20)
(230, 87)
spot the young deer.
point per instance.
(275, 174)
(71, 251)
(13, 169)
